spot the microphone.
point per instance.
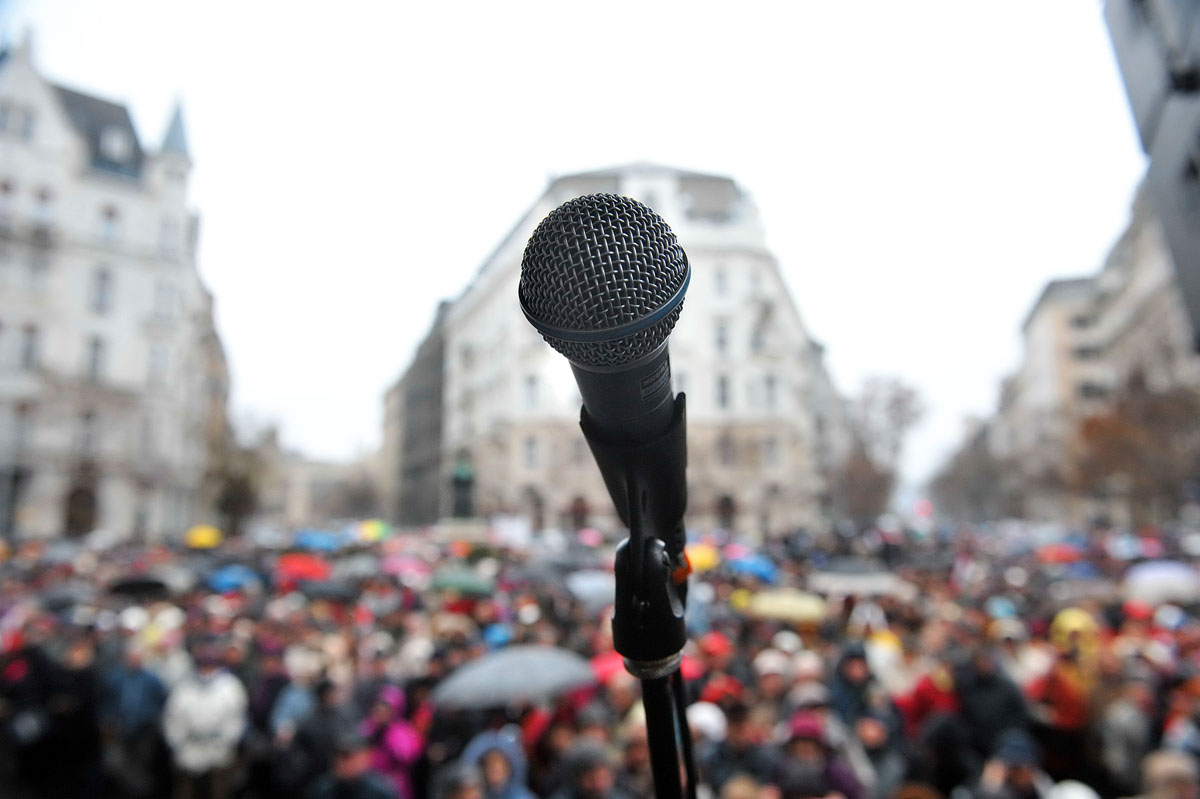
(603, 279)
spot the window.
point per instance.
(1081, 321)
(769, 392)
(579, 452)
(5, 116)
(531, 392)
(29, 347)
(115, 144)
(721, 280)
(531, 452)
(101, 298)
(758, 339)
(723, 392)
(722, 336)
(158, 364)
(23, 426)
(28, 120)
(771, 451)
(108, 222)
(1088, 353)
(39, 267)
(164, 300)
(1091, 391)
(87, 432)
(168, 238)
(41, 206)
(725, 453)
(96, 352)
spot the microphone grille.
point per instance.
(596, 266)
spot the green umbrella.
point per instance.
(464, 581)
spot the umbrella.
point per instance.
(233, 577)
(331, 590)
(787, 604)
(1158, 581)
(513, 675)
(359, 566)
(302, 566)
(405, 566)
(373, 530)
(140, 587)
(464, 581)
(318, 540)
(1059, 553)
(203, 536)
(759, 566)
(65, 596)
(859, 584)
(594, 589)
(703, 557)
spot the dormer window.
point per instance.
(115, 145)
(41, 206)
(108, 222)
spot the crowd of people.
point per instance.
(988, 666)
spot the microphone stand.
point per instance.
(648, 486)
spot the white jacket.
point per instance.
(204, 720)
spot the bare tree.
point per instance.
(881, 416)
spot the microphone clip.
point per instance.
(648, 486)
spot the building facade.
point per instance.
(113, 381)
(1086, 341)
(761, 410)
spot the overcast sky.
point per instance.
(923, 168)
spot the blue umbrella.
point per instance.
(318, 541)
(233, 577)
(759, 566)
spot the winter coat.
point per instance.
(989, 703)
(395, 745)
(507, 744)
(368, 786)
(132, 700)
(204, 721)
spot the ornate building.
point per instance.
(113, 381)
(762, 416)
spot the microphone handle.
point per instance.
(630, 405)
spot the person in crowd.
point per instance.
(131, 707)
(395, 743)
(809, 768)
(988, 701)
(204, 721)
(75, 723)
(350, 775)
(1013, 771)
(1170, 774)
(591, 774)
(498, 756)
(741, 752)
(1126, 734)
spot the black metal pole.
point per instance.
(662, 734)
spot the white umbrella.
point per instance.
(1159, 581)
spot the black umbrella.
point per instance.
(515, 674)
(140, 587)
(65, 596)
(330, 590)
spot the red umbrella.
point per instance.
(296, 566)
(1059, 553)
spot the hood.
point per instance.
(507, 743)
